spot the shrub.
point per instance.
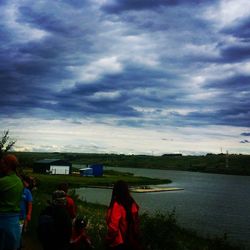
(159, 231)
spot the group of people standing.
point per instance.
(59, 226)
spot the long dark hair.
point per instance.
(122, 195)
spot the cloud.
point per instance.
(235, 53)
(245, 141)
(239, 29)
(125, 5)
(245, 134)
(102, 66)
(132, 64)
(236, 83)
(226, 13)
(117, 6)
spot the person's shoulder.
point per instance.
(118, 207)
(27, 193)
(69, 199)
(16, 178)
(26, 190)
(116, 204)
(135, 207)
(12, 178)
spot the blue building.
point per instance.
(97, 169)
(92, 170)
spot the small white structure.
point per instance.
(54, 169)
(52, 166)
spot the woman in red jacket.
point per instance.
(122, 219)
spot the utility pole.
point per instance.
(227, 159)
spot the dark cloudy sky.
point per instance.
(126, 76)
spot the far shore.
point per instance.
(141, 189)
(233, 164)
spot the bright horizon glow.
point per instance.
(58, 136)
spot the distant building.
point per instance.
(92, 170)
(86, 171)
(52, 166)
(97, 169)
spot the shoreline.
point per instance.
(155, 189)
(142, 189)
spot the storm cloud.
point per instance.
(140, 63)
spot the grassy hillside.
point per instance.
(221, 163)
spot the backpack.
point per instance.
(46, 228)
(54, 227)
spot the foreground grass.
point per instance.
(159, 231)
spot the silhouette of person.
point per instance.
(70, 204)
(122, 219)
(11, 188)
(26, 203)
(54, 224)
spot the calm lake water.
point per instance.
(211, 204)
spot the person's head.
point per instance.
(120, 190)
(59, 198)
(26, 181)
(121, 193)
(63, 186)
(9, 163)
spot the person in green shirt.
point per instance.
(11, 188)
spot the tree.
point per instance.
(6, 143)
